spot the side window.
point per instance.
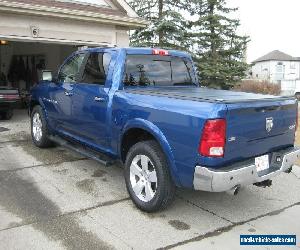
(96, 68)
(70, 71)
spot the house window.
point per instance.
(293, 65)
(279, 67)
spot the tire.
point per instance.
(297, 95)
(39, 130)
(139, 182)
(7, 115)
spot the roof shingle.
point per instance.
(276, 55)
(73, 6)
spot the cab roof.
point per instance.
(138, 51)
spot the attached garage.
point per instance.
(37, 35)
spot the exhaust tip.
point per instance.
(234, 191)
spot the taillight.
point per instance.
(160, 52)
(213, 138)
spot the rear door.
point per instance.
(91, 98)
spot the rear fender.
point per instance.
(161, 139)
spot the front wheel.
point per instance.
(39, 130)
(147, 177)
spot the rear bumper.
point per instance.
(224, 179)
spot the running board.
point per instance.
(85, 151)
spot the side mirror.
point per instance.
(47, 75)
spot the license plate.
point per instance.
(262, 163)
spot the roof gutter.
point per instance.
(57, 41)
(39, 10)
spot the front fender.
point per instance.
(39, 101)
(161, 139)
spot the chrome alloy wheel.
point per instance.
(37, 127)
(143, 178)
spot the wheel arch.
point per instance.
(32, 104)
(138, 130)
(37, 102)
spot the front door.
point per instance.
(59, 104)
(90, 100)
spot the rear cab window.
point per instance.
(154, 70)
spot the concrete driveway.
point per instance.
(56, 199)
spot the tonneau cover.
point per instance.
(204, 94)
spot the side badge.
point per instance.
(269, 124)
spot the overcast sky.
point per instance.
(271, 25)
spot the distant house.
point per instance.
(276, 67)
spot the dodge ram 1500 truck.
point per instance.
(144, 107)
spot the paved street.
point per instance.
(56, 199)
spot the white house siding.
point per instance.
(261, 71)
(276, 71)
(83, 22)
(56, 30)
(122, 37)
(290, 87)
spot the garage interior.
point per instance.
(22, 63)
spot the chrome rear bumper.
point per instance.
(224, 179)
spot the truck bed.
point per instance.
(245, 113)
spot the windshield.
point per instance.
(153, 70)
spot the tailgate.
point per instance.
(256, 128)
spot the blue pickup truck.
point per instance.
(145, 108)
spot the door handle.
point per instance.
(99, 99)
(68, 93)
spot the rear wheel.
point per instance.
(39, 130)
(147, 177)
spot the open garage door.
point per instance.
(22, 63)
